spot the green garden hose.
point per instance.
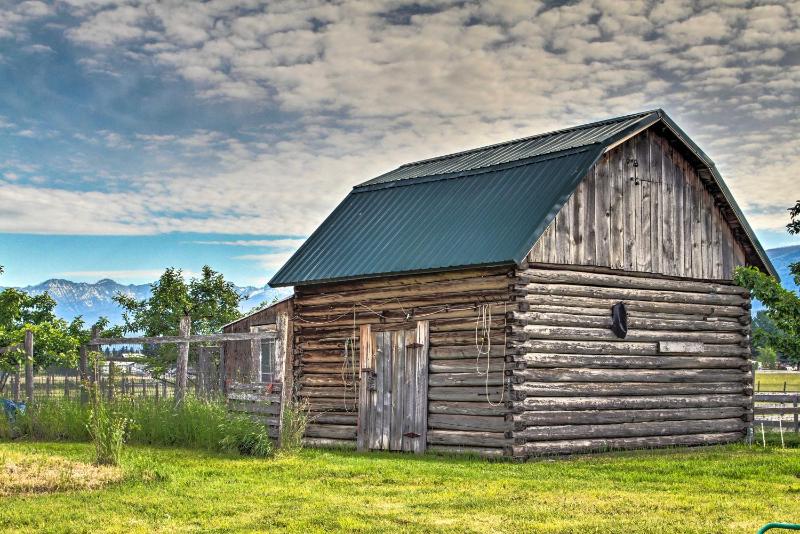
(787, 526)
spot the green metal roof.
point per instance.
(481, 207)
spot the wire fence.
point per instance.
(59, 382)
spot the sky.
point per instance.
(137, 135)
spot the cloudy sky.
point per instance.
(139, 134)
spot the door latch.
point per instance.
(369, 375)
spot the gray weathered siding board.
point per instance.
(667, 223)
(602, 199)
(616, 210)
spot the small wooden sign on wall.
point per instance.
(679, 346)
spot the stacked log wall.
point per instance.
(577, 387)
(327, 320)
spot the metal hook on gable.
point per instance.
(635, 177)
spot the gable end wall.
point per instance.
(655, 217)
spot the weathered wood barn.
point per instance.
(464, 302)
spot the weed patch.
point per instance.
(26, 474)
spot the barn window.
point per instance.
(268, 360)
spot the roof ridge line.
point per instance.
(476, 171)
(529, 137)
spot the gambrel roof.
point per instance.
(481, 207)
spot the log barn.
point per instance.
(562, 293)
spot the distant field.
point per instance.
(774, 381)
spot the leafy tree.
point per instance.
(17, 307)
(761, 324)
(783, 305)
(56, 341)
(783, 309)
(794, 228)
(209, 300)
(214, 302)
(767, 357)
(794, 215)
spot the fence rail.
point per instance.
(778, 410)
(261, 401)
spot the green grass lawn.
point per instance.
(711, 490)
(774, 381)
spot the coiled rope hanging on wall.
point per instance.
(483, 331)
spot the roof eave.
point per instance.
(272, 304)
(372, 276)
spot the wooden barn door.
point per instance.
(393, 396)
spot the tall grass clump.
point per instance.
(294, 420)
(107, 430)
(194, 423)
(53, 420)
(107, 427)
(244, 436)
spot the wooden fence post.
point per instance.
(83, 370)
(222, 372)
(182, 367)
(796, 418)
(200, 371)
(15, 381)
(111, 377)
(255, 361)
(94, 377)
(29, 365)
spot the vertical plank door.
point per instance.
(393, 394)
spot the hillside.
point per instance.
(95, 300)
(781, 258)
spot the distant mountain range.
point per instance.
(781, 258)
(95, 300)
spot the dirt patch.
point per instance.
(26, 473)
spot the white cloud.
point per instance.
(39, 49)
(272, 261)
(370, 91)
(286, 243)
(15, 17)
(709, 26)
